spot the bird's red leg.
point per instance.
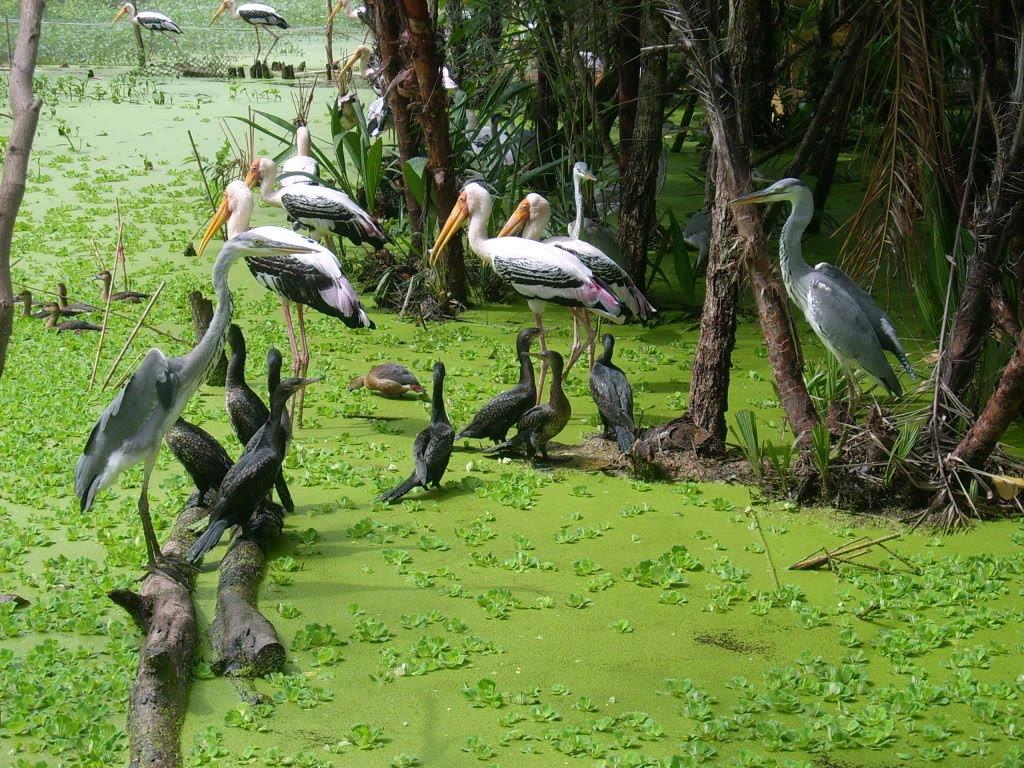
(577, 347)
(538, 320)
(291, 336)
(303, 364)
(269, 51)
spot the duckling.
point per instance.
(542, 422)
(78, 306)
(613, 396)
(432, 448)
(389, 380)
(502, 411)
(106, 279)
(25, 297)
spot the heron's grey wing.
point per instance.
(149, 391)
(880, 321)
(839, 321)
(420, 448)
(395, 372)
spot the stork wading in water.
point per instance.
(309, 277)
(322, 210)
(152, 20)
(539, 272)
(131, 429)
(532, 217)
(842, 314)
(257, 15)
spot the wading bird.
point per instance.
(245, 408)
(247, 484)
(537, 271)
(311, 277)
(502, 411)
(542, 422)
(613, 397)
(106, 281)
(151, 20)
(842, 314)
(531, 217)
(256, 15)
(432, 448)
(322, 210)
(202, 456)
(389, 380)
(131, 429)
(300, 168)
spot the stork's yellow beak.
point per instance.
(518, 220)
(252, 178)
(458, 216)
(214, 225)
(334, 12)
(122, 12)
(220, 9)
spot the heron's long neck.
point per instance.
(791, 260)
(203, 357)
(437, 411)
(478, 230)
(577, 193)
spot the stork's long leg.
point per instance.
(271, 49)
(259, 43)
(152, 543)
(299, 400)
(577, 347)
(291, 336)
(591, 336)
(853, 391)
(538, 321)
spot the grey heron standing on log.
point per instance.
(842, 314)
(132, 428)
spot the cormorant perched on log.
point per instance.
(613, 396)
(389, 380)
(432, 448)
(502, 411)
(542, 422)
(245, 408)
(247, 484)
(200, 454)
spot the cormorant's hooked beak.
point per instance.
(122, 12)
(220, 9)
(518, 220)
(458, 216)
(334, 12)
(762, 196)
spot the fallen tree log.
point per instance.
(243, 639)
(163, 610)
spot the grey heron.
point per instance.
(132, 428)
(842, 314)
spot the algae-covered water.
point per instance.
(520, 616)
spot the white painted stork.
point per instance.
(298, 168)
(359, 12)
(257, 15)
(537, 271)
(151, 20)
(312, 278)
(322, 210)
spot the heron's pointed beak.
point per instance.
(214, 225)
(588, 176)
(518, 220)
(458, 216)
(220, 9)
(334, 12)
(753, 198)
(122, 12)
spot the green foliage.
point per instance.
(746, 437)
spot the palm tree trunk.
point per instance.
(24, 107)
(627, 40)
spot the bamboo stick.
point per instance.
(816, 561)
(131, 336)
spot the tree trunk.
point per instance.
(549, 141)
(640, 177)
(684, 124)
(627, 41)
(163, 609)
(389, 25)
(24, 108)
(434, 118)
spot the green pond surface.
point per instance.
(555, 615)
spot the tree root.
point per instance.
(243, 639)
(164, 611)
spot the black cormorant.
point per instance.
(613, 396)
(542, 422)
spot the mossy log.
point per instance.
(243, 639)
(163, 610)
